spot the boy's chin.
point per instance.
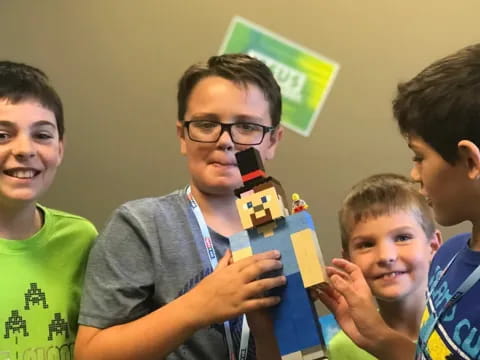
(218, 188)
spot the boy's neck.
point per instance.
(405, 315)
(19, 223)
(220, 211)
(475, 240)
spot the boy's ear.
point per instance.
(274, 139)
(435, 242)
(61, 150)
(470, 155)
(181, 137)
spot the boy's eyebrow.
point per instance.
(249, 118)
(204, 116)
(238, 118)
(6, 123)
(362, 237)
(45, 123)
(38, 123)
(402, 228)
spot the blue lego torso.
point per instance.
(295, 319)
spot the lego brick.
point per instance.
(242, 254)
(307, 253)
(295, 319)
(239, 241)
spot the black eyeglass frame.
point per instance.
(228, 128)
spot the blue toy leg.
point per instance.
(295, 319)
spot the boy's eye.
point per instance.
(264, 199)
(4, 136)
(417, 158)
(247, 126)
(403, 237)
(43, 136)
(364, 245)
(204, 124)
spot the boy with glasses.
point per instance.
(153, 287)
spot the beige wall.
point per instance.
(116, 63)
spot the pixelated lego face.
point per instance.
(258, 208)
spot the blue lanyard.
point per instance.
(435, 316)
(207, 240)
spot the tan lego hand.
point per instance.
(234, 288)
(350, 300)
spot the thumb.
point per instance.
(225, 260)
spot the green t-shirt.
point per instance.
(342, 348)
(40, 285)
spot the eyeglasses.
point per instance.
(241, 133)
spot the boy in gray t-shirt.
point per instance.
(150, 291)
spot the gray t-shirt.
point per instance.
(150, 253)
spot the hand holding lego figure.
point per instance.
(236, 288)
(349, 298)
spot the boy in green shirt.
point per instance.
(388, 231)
(42, 251)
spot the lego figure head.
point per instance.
(438, 111)
(298, 204)
(388, 230)
(226, 105)
(262, 199)
(31, 134)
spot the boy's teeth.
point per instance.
(22, 174)
(391, 275)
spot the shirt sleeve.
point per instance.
(118, 284)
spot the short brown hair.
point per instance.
(441, 104)
(21, 82)
(241, 69)
(383, 194)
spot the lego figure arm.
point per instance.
(309, 257)
(240, 246)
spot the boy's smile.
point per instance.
(30, 150)
(393, 253)
(212, 166)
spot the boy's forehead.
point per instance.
(397, 217)
(28, 109)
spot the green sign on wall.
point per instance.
(305, 77)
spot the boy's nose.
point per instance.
(414, 174)
(23, 149)
(387, 254)
(225, 141)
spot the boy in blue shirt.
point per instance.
(438, 112)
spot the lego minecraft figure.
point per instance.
(298, 204)
(264, 216)
(57, 325)
(14, 324)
